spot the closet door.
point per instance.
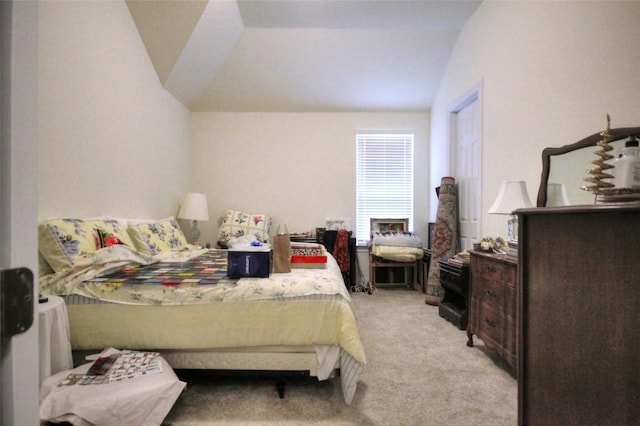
(467, 146)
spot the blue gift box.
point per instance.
(243, 263)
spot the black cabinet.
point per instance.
(454, 306)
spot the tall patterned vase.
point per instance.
(445, 238)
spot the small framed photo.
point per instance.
(389, 225)
(335, 223)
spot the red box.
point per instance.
(308, 261)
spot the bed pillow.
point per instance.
(158, 236)
(112, 227)
(235, 223)
(123, 222)
(106, 239)
(62, 242)
(43, 266)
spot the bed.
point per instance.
(149, 290)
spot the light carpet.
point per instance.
(419, 372)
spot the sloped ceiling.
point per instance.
(301, 55)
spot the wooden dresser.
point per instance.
(493, 304)
(579, 315)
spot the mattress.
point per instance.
(297, 322)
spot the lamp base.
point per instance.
(512, 236)
(512, 230)
(194, 233)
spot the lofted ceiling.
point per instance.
(301, 55)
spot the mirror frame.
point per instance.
(547, 153)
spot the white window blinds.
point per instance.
(384, 179)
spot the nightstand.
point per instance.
(53, 337)
(454, 279)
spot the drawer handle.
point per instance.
(490, 293)
(490, 268)
(490, 323)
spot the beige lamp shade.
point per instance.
(512, 196)
(194, 207)
(556, 195)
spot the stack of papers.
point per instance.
(117, 367)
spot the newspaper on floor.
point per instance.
(117, 367)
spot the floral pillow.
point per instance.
(236, 223)
(157, 236)
(106, 239)
(43, 266)
(62, 242)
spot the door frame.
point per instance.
(19, 374)
(472, 95)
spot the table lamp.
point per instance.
(194, 208)
(512, 196)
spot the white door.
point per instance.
(19, 378)
(466, 138)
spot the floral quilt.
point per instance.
(119, 275)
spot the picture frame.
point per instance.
(389, 225)
(335, 223)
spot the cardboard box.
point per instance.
(307, 251)
(245, 263)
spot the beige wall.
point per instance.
(549, 74)
(298, 167)
(112, 140)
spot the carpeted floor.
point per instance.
(419, 372)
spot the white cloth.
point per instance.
(328, 356)
(398, 254)
(398, 240)
(144, 400)
(53, 337)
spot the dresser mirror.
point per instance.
(567, 165)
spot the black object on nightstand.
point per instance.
(454, 306)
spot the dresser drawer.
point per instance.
(490, 324)
(452, 280)
(489, 291)
(454, 277)
(493, 270)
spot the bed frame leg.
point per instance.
(280, 386)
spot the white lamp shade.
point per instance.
(194, 207)
(512, 196)
(556, 195)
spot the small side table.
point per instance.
(454, 306)
(53, 340)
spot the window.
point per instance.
(384, 186)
